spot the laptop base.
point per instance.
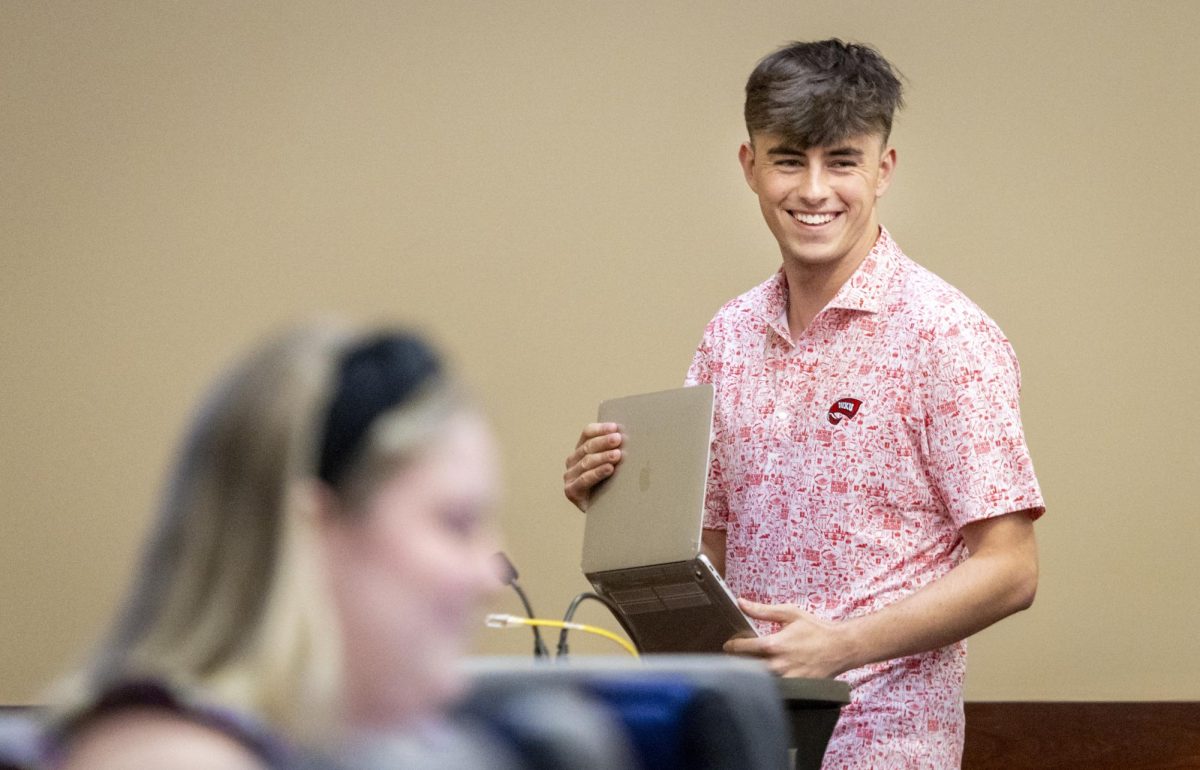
(674, 608)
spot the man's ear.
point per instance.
(887, 165)
(746, 158)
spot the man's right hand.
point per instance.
(595, 458)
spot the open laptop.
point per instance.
(641, 543)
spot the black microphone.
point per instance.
(508, 576)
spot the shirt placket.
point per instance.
(777, 458)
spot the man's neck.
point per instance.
(812, 287)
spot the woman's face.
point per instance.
(410, 570)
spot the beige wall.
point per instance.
(551, 190)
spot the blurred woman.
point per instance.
(324, 545)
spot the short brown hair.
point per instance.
(820, 93)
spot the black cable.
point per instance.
(561, 650)
(539, 646)
(508, 575)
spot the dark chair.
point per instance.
(690, 711)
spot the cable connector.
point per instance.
(501, 620)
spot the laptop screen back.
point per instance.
(651, 510)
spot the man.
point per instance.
(870, 495)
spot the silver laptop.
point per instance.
(641, 544)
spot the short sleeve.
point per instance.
(978, 461)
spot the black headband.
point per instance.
(373, 376)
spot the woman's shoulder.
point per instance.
(147, 723)
(152, 736)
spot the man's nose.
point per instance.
(814, 186)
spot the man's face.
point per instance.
(819, 202)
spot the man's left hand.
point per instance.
(806, 646)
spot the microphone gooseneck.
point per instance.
(508, 575)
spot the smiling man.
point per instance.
(870, 497)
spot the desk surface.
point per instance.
(821, 691)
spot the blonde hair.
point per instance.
(231, 600)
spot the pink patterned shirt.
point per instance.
(845, 462)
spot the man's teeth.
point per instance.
(814, 219)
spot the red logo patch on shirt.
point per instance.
(843, 409)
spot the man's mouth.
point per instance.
(813, 219)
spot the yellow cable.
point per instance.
(508, 621)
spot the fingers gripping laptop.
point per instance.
(641, 542)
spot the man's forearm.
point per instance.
(998, 578)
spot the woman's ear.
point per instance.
(320, 515)
(314, 502)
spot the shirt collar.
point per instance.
(864, 291)
(868, 285)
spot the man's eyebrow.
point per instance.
(837, 152)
